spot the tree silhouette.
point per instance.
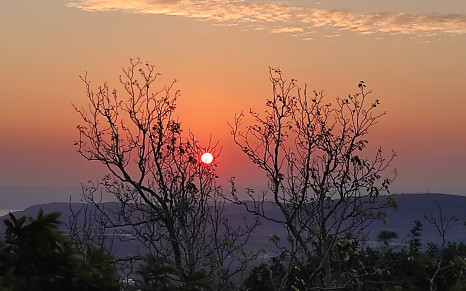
(437, 264)
(414, 237)
(327, 192)
(385, 237)
(169, 200)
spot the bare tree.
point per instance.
(328, 194)
(437, 265)
(169, 200)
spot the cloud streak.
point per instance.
(287, 29)
(297, 18)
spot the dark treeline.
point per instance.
(390, 266)
(34, 255)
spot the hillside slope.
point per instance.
(411, 207)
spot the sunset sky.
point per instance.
(411, 53)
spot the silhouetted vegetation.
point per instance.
(36, 256)
(404, 272)
(327, 192)
(310, 151)
(169, 199)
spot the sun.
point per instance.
(207, 158)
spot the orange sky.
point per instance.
(411, 53)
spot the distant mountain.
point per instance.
(411, 207)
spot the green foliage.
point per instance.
(155, 275)
(266, 277)
(458, 287)
(453, 268)
(376, 269)
(95, 271)
(161, 276)
(35, 253)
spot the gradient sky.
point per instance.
(412, 53)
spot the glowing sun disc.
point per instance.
(207, 158)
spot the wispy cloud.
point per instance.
(298, 19)
(219, 10)
(331, 35)
(386, 22)
(287, 29)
